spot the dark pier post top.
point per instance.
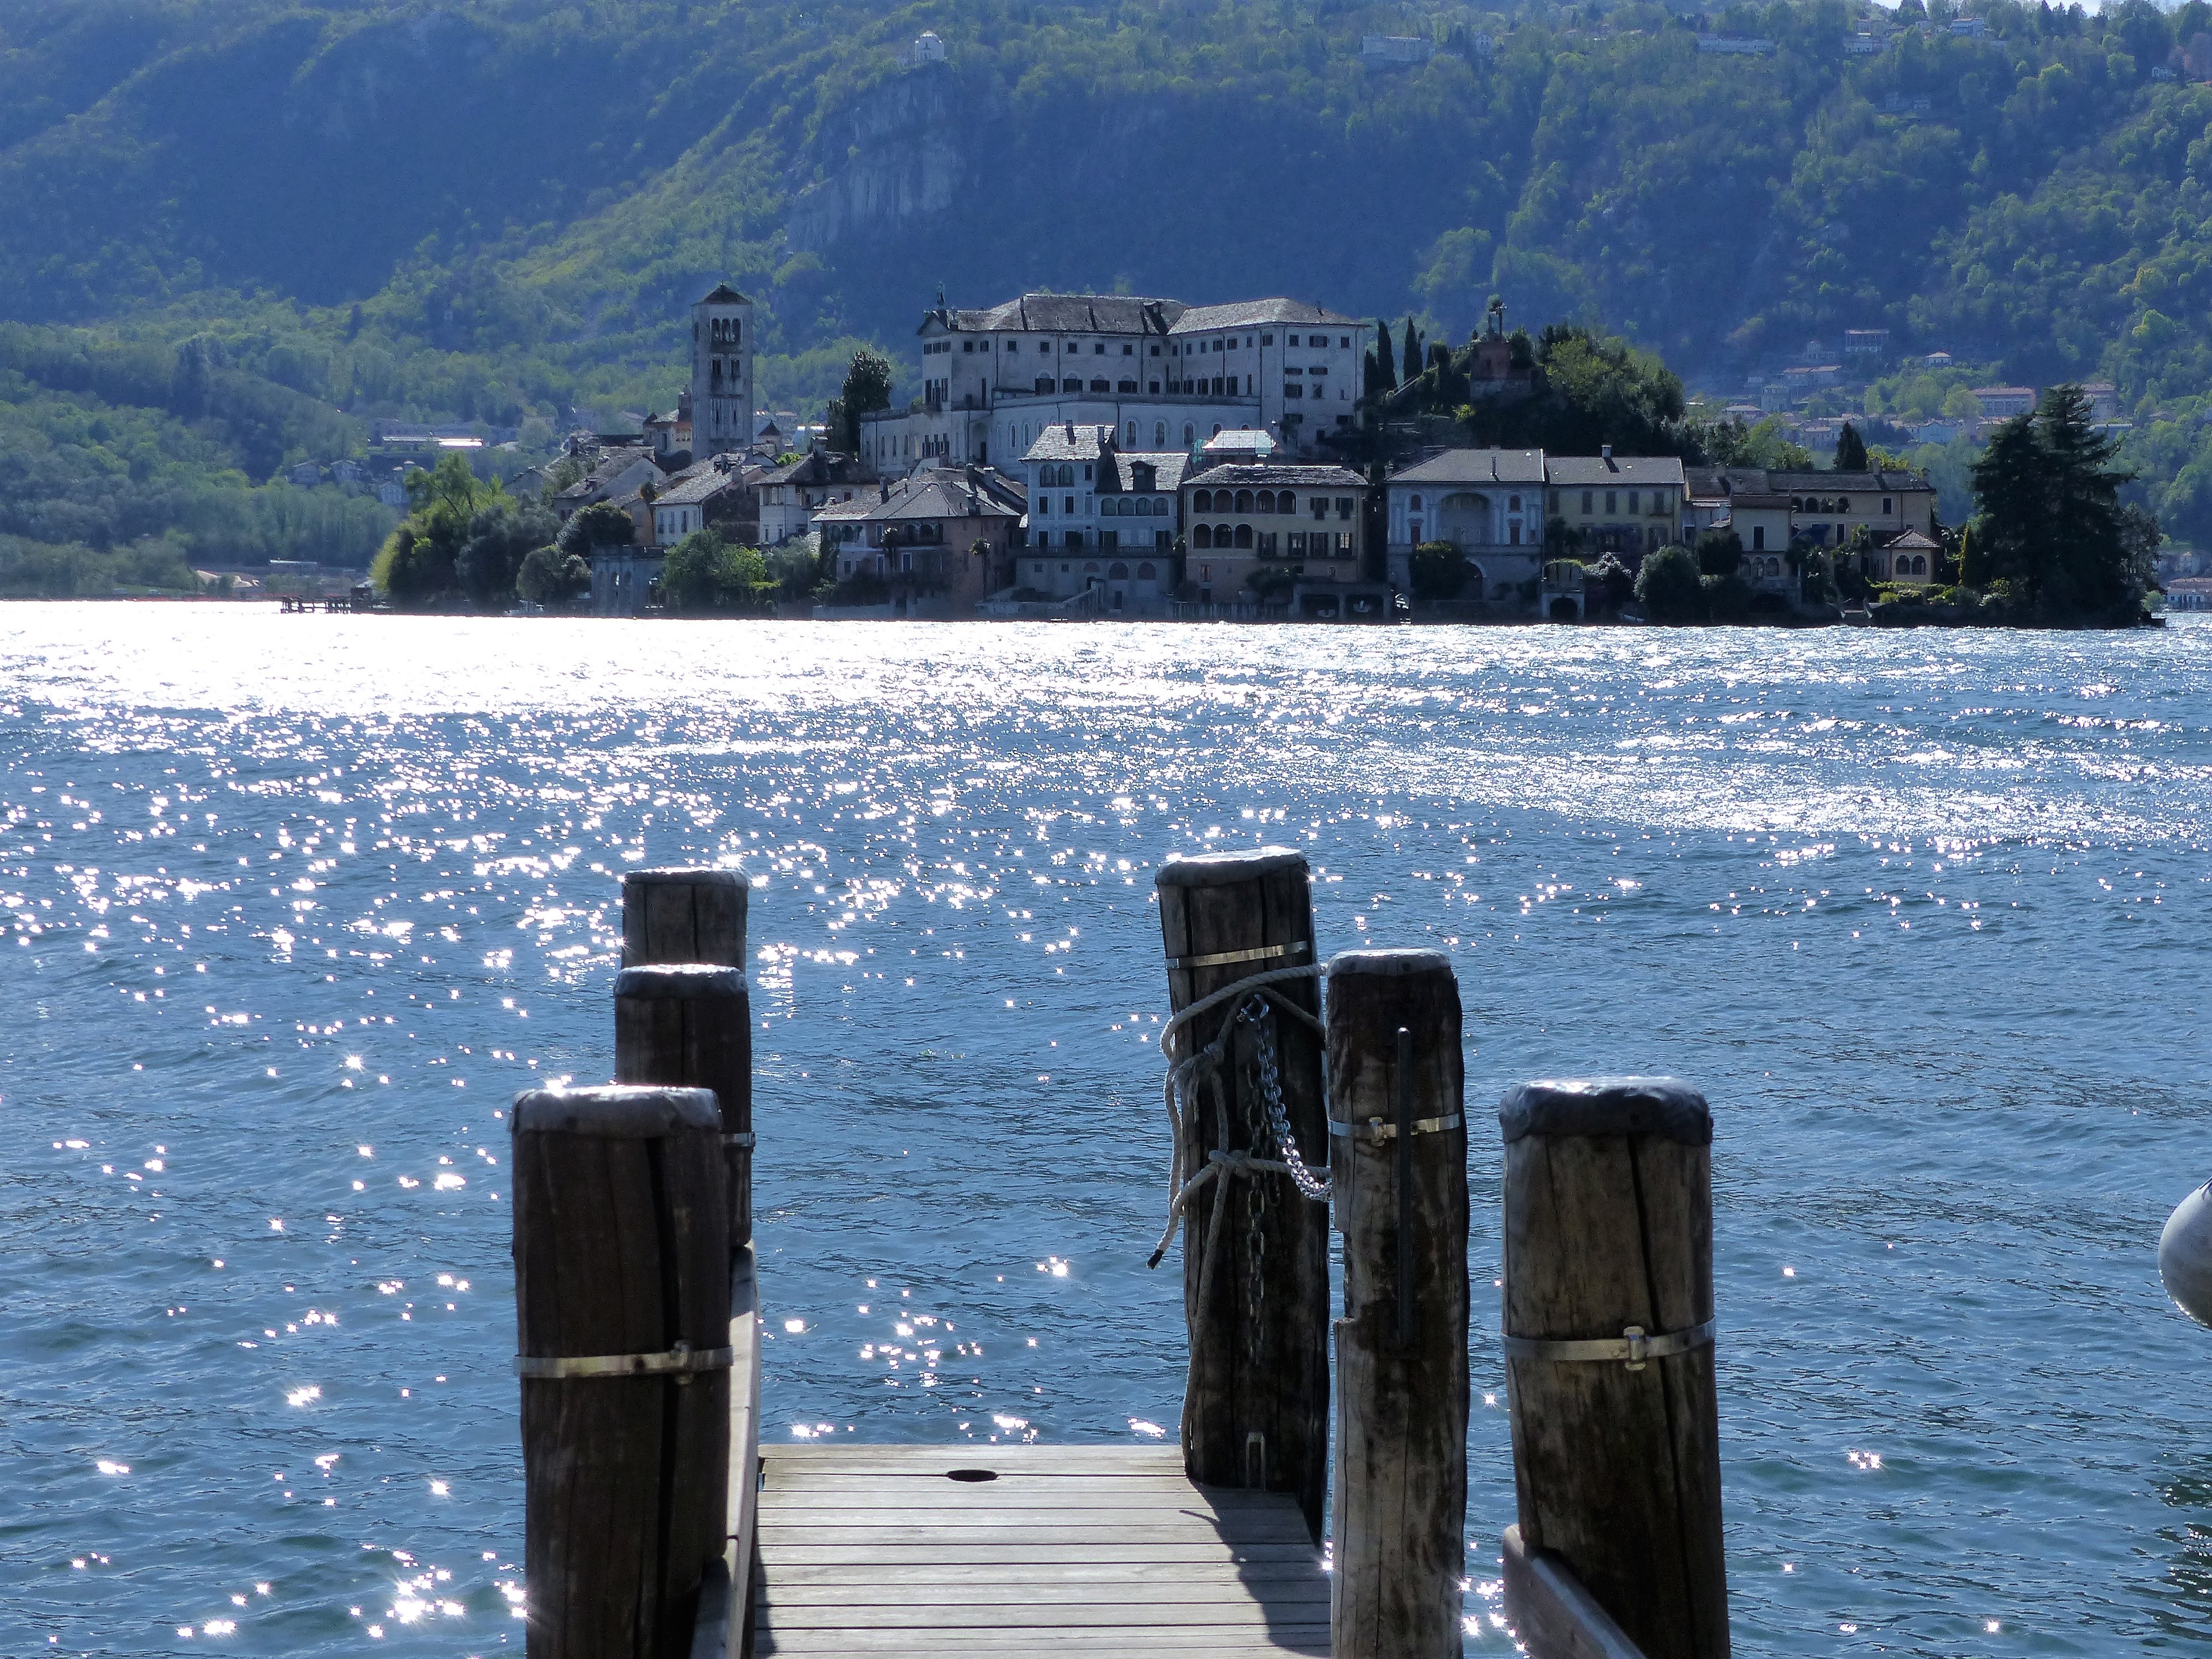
(1255, 1250)
(1608, 1338)
(684, 916)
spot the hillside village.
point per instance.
(1114, 456)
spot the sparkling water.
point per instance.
(294, 904)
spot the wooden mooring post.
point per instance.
(1608, 1340)
(684, 916)
(621, 1261)
(690, 1026)
(1255, 1253)
(1398, 1168)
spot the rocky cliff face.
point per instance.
(894, 155)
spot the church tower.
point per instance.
(721, 373)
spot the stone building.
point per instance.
(1489, 503)
(722, 412)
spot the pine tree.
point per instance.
(2087, 528)
(2008, 489)
(1412, 369)
(1850, 450)
(1386, 369)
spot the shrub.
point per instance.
(1439, 571)
(1727, 598)
(1668, 586)
(550, 577)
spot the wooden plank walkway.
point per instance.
(1097, 1550)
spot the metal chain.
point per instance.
(1255, 1231)
(1257, 1014)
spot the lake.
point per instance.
(294, 904)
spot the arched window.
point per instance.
(1244, 502)
(1919, 564)
(1203, 501)
(1145, 573)
(1513, 504)
(1160, 505)
(1119, 572)
(1043, 384)
(1090, 568)
(1415, 504)
(1070, 386)
(1131, 385)
(1202, 536)
(1128, 386)
(1189, 434)
(1159, 434)
(1067, 473)
(1223, 536)
(1244, 535)
(1264, 502)
(1843, 503)
(1108, 507)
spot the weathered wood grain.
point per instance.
(1401, 1495)
(1253, 1414)
(1551, 1613)
(621, 1247)
(690, 1026)
(684, 916)
(1085, 1561)
(1609, 1224)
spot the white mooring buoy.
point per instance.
(2185, 1255)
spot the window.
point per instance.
(1244, 502)
(1632, 500)
(1266, 339)
(1189, 434)
(1202, 501)
(1159, 431)
(1586, 500)
(1758, 538)
(1128, 351)
(1131, 385)
(1513, 504)
(1415, 504)
(1298, 543)
(1344, 507)
(1036, 570)
(1343, 342)
(1885, 505)
(1610, 508)
(1086, 473)
(967, 345)
(1145, 573)
(1201, 535)
(1098, 351)
(1320, 505)
(1265, 501)
(1155, 351)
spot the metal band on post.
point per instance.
(1376, 1129)
(1297, 947)
(680, 1360)
(1632, 1347)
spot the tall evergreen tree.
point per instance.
(1412, 359)
(1850, 450)
(2050, 519)
(1386, 368)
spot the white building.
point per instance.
(1102, 520)
(1488, 502)
(721, 373)
(1161, 374)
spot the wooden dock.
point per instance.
(1099, 1550)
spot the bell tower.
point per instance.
(721, 373)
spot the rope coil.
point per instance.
(1202, 1069)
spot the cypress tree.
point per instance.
(1850, 450)
(1973, 569)
(1386, 370)
(1411, 370)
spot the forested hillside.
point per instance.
(497, 211)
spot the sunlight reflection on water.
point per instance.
(1920, 912)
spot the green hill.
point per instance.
(498, 213)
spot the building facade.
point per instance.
(1163, 375)
(1263, 533)
(1489, 503)
(1103, 521)
(721, 374)
(790, 494)
(1627, 505)
(944, 536)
